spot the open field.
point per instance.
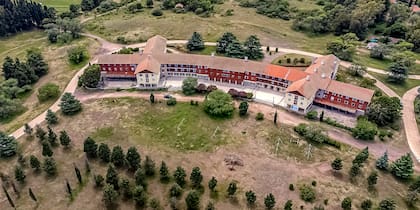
(397, 88)
(59, 5)
(271, 160)
(60, 70)
(244, 22)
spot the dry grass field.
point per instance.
(245, 22)
(271, 160)
(60, 70)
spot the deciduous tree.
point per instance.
(188, 86)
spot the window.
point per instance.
(332, 98)
(339, 100)
(352, 104)
(346, 102)
(360, 106)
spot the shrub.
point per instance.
(365, 130)
(307, 193)
(77, 55)
(260, 116)
(48, 91)
(8, 145)
(157, 12)
(219, 104)
(312, 115)
(291, 187)
(171, 101)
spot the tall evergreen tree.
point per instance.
(64, 139)
(9, 68)
(51, 118)
(195, 42)
(179, 176)
(403, 167)
(382, 162)
(90, 147)
(110, 196)
(252, 47)
(126, 188)
(224, 41)
(112, 177)
(34, 162)
(361, 157)
(212, 184)
(117, 156)
(40, 133)
(243, 108)
(69, 104)
(104, 153)
(52, 137)
(372, 179)
(140, 196)
(140, 177)
(193, 200)
(20, 174)
(50, 166)
(149, 166)
(36, 61)
(28, 130)
(235, 50)
(46, 149)
(164, 172)
(133, 159)
(196, 177)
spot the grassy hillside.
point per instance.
(59, 5)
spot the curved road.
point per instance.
(413, 135)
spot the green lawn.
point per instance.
(292, 59)
(59, 5)
(397, 88)
(244, 22)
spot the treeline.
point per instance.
(22, 15)
(18, 77)
(197, 6)
(269, 8)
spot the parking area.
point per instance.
(341, 117)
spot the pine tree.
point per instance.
(164, 172)
(126, 188)
(269, 201)
(354, 170)
(78, 174)
(32, 195)
(110, 195)
(372, 179)
(235, 50)
(251, 198)
(133, 159)
(175, 190)
(36, 61)
(112, 177)
(140, 177)
(252, 47)
(46, 149)
(149, 167)
(9, 68)
(140, 196)
(361, 157)
(90, 147)
(243, 108)
(210, 206)
(152, 98)
(288, 205)
(179, 176)
(382, 162)
(232, 189)
(50, 166)
(196, 42)
(28, 130)
(104, 153)
(117, 156)
(403, 167)
(366, 204)
(346, 203)
(275, 118)
(212, 184)
(40, 133)
(196, 177)
(99, 180)
(224, 41)
(52, 137)
(337, 164)
(387, 204)
(51, 118)
(19, 174)
(34, 162)
(69, 104)
(193, 200)
(64, 139)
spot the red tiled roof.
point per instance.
(289, 74)
(350, 90)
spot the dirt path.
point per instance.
(410, 124)
(285, 117)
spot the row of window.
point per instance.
(117, 69)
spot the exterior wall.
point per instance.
(118, 70)
(147, 79)
(341, 100)
(297, 102)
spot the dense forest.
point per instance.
(22, 15)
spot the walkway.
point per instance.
(410, 123)
(107, 47)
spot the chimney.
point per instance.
(308, 78)
(246, 58)
(323, 76)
